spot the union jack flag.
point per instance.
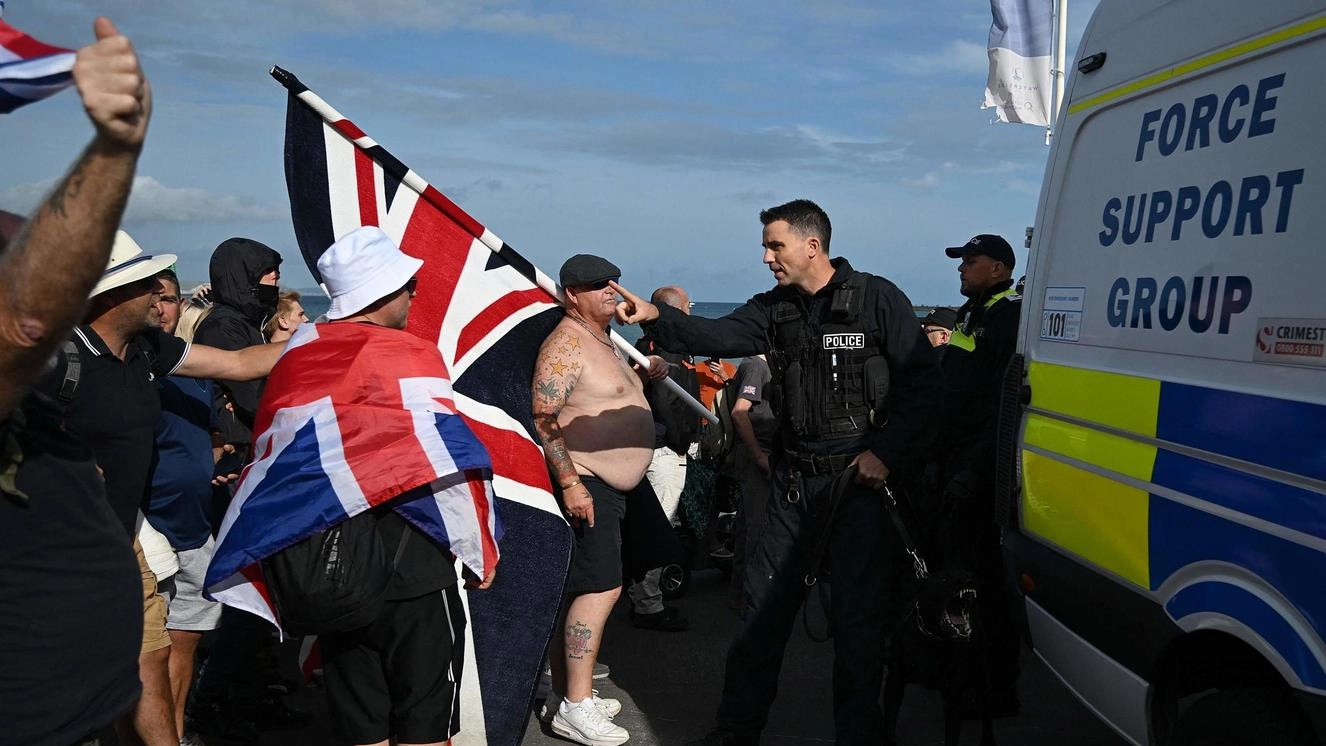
(30, 70)
(353, 415)
(486, 309)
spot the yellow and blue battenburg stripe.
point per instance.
(1146, 478)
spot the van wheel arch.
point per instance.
(1206, 680)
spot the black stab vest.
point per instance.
(829, 382)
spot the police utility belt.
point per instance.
(815, 464)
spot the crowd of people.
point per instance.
(129, 409)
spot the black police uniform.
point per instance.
(983, 341)
(827, 353)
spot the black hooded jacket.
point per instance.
(235, 323)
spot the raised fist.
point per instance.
(114, 90)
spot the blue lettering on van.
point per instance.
(1247, 207)
(1168, 128)
(1134, 303)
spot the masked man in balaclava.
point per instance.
(230, 699)
(244, 293)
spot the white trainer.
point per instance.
(585, 723)
(607, 705)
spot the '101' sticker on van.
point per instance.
(1061, 318)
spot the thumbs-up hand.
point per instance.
(633, 309)
(114, 90)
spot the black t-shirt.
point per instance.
(115, 409)
(425, 567)
(71, 612)
(753, 377)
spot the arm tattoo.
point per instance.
(554, 449)
(70, 187)
(556, 374)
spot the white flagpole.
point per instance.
(488, 239)
(1058, 74)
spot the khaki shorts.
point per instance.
(155, 636)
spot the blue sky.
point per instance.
(649, 132)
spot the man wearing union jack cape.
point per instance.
(359, 416)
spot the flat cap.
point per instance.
(587, 269)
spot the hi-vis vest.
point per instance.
(962, 337)
(829, 382)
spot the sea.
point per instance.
(315, 304)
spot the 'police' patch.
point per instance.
(855, 341)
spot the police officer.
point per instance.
(977, 355)
(856, 380)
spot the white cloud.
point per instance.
(151, 201)
(932, 178)
(958, 56)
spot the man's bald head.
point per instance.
(672, 295)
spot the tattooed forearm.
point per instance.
(48, 270)
(554, 448)
(556, 373)
(70, 187)
(578, 638)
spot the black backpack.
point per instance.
(717, 441)
(335, 580)
(680, 423)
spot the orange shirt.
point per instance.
(711, 382)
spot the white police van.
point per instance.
(1164, 449)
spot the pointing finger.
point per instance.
(627, 294)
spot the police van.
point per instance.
(1164, 428)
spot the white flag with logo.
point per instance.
(1020, 46)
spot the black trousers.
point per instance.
(863, 555)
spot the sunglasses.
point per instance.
(600, 285)
(411, 285)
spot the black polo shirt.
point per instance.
(115, 409)
(71, 603)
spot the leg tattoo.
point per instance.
(577, 640)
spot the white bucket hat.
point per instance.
(361, 268)
(129, 264)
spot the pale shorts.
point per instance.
(189, 611)
(154, 608)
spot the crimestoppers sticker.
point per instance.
(1291, 342)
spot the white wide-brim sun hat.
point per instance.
(129, 264)
(361, 268)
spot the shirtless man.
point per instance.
(598, 438)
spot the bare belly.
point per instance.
(615, 445)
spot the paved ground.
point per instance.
(669, 685)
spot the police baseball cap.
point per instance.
(586, 269)
(988, 244)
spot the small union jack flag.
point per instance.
(30, 70)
